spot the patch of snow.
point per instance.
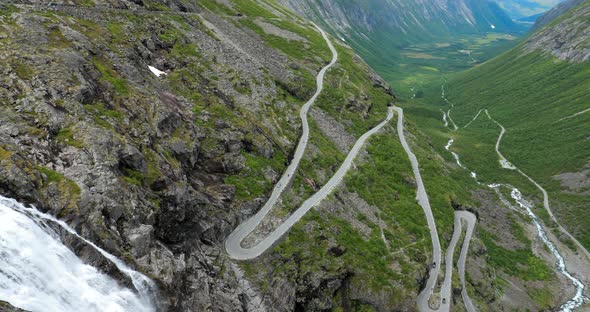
(156, 71)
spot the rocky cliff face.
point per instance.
(6, 307)
(137, 162)
(567, 36)
(158, 170)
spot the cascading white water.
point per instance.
(578, 299)
(39, 273)
(448, 148)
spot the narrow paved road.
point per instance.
(473, 119)
(423, 201)
(503, 161)
(470, 219)
(448, 113)
(446, 289)
(234, 240)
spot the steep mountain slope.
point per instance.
(530, 18)
(159, 170)
(404, 21)
(567, 38)
(556, 12)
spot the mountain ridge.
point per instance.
(556, 12)
(518, 9)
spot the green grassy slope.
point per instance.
(532, 94)
(529, 95)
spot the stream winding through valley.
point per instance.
(578, 299)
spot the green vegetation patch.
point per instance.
(117, 31)
(133, 177)
(8, 9)
(542, 296)
(23, 71)
(155, 6)
(111, 76)
(4, 154)
(66, 136)
(522, 262)
(251, 183)
(103, 116)
(57, 39)
(68, 189)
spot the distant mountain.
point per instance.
(530, 19)
(405, 20)
(379, 30)
(556, 12)
(518, 9)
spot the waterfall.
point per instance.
(39, 273)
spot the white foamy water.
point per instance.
(578, 298)
(39, 273)
(455, 155)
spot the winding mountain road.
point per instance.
(447, 115)
(422, 198)
(233, 242)
(473, 119)
(470, 219)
